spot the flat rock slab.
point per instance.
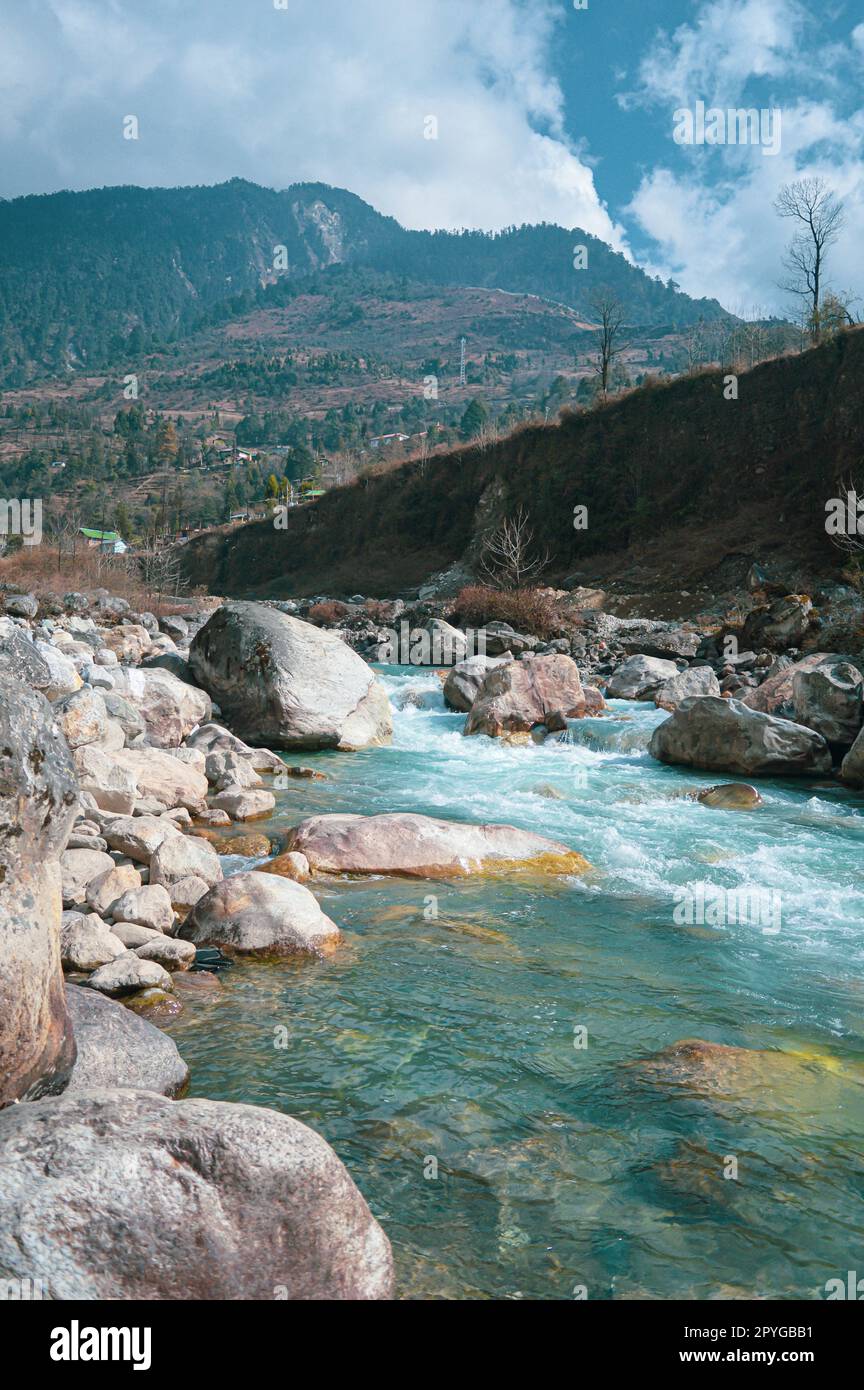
(423, 847)
(124, 1194)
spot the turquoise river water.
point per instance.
(474, 1068)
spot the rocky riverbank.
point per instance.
(122, 783)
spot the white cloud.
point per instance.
(723, 238)
(731, 42)
(710, 208)
(335, 91)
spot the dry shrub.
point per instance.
(532, 611)
(380, 611)
(327, 613)
(37, 569)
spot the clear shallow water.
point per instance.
(451, 1038)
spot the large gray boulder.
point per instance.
(87, 942)
(261, 914)
(139, 837)
(783, 624)
(828, 699)
(726, 736)
(695, 680)
(22, 605)
(287, 684)
(241, 804)
(126, 715)
(184, 856)
(38, 801)
(647, 637)
(117, 1048)
(639, 677)
(149, 906)
(125, 1195)
(421, 846)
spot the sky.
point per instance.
(462, 113)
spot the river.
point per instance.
(468, 1052)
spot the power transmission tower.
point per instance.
(462, 378)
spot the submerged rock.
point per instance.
(227, 1202)
(792, 1082)
(732, 796)
(248, 846)
(422, 847)
(727, 736)
(256, 914)
(283, 682)
(116, 1048)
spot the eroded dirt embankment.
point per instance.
(675, 478)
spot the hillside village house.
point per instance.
(387, 439)
(109, 541)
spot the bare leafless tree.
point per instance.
(609, 312)
(487, 435)
(162, 573)
(812, 204)
(507, 557)
(849, 542)
(66, 533)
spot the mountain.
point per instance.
(89, 278)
